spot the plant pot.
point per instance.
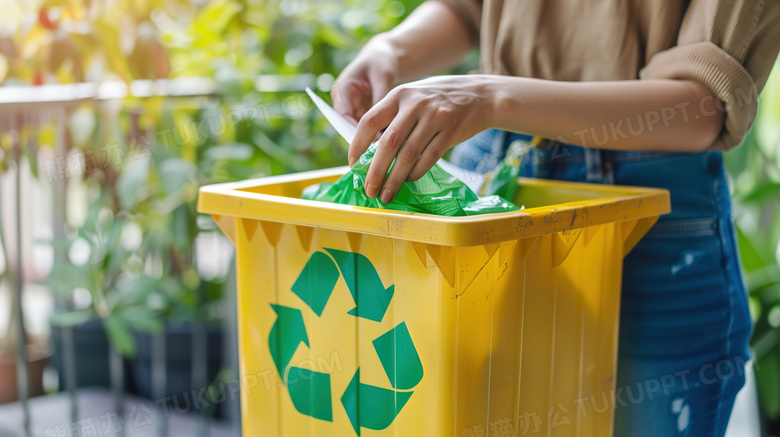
(178, 369)
(91, 351)
(38, 355)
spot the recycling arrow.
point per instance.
(367, 406)
(399, 358)
(288, 332)
(310, 393)
(316, 282)
(371, 297)
(372, 407)
(310, 390)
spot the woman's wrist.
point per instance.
(501, 100)
(431, 40)
(387, 45)
(381, 42)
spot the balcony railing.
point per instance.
(28, 108)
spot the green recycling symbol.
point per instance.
(367, 406)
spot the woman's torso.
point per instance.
(576, 40)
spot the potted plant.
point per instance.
(187, 353)
(104, 278)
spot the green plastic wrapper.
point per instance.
(437, 192)
(502, 180)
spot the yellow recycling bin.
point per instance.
(357, 321)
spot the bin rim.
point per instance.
(617, 204)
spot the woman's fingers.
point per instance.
(422, 120)
(387, 148)
(430, 156)
(373, 121)
(407, 158)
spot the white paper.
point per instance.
(473, 179)
(342, 125)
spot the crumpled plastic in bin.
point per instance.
(437, 192)
(502, 180)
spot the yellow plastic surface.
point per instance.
(514, 316)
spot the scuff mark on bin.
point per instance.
(501, 275)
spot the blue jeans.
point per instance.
(684, 319)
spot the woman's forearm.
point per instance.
(421, 120)
(657, 115)
(433, 38)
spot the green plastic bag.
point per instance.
(502, 180)
(437, 192)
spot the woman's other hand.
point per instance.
(366, 80)
(431, 39)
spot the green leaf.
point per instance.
(65, 277)
(107, 37)
(115, 232)
(736, 160)
(119, 334)
(768, 382)
(142, 318)
(751, 258)
(72, 318)
(212, 21)
(29, 153)
(82, 125)
(130, 184)
(183, 229)
(754, 305)
(762, 192)
(132, 292)
(175, 173)
(333, 36)
(229, 152)
(760, 279)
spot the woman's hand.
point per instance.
(366, 80)
(422, 120)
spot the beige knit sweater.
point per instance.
(729, 46)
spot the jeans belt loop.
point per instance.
(593, 165)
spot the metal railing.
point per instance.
(28, 108)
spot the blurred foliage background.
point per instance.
(132, 226)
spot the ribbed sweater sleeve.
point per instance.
(729, 46)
